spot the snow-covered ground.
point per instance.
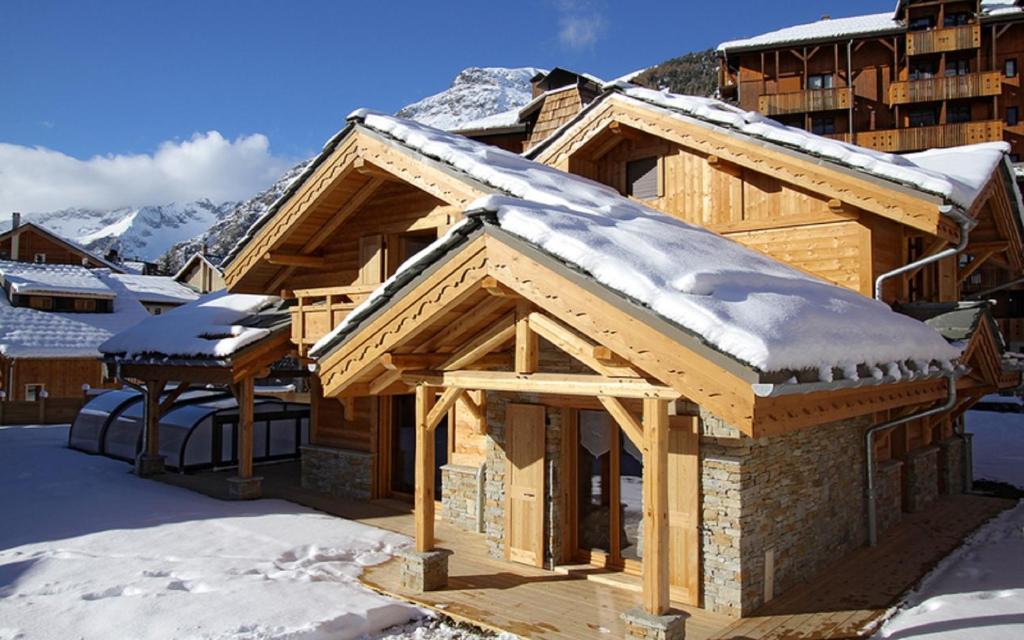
(88, 550)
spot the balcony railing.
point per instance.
(918, 138)
(971, 85)
(1012, 328)
(805, 101)
(319, 310)
(967, 36)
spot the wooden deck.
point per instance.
(845, 601)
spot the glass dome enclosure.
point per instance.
(199, 431)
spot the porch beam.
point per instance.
(655, 492)
(352, 205)
(444, 403)
(293, 260)
(497, 335)
(152, 414)
(553, 383)
(165, 406)
(527, 342)
(632, 427)
(367, 168)
(592, 355)
(384, 381)
(243, 391)
(424, 479)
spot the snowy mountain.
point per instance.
(477, 92)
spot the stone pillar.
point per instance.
(641, 625)
(968, 467)
(249, 488)
(462, 496)
(424, 571)
(920, 478)
(147, 466)
(888, 494)
(951, 465)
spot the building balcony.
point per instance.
(919, 138)
(971, 85)
(1012, 329)
(317, 311)
(967, 36)
(805, 101)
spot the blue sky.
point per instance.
(123, 77)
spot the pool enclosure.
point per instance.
(199, 431)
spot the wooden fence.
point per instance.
(45, 411)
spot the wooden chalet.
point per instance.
(465, 351)
(28, 242)
(202, 273)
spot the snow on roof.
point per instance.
(741, 302)
(52, 279)
(157, 289)
(59, 238)
(956, 174)
(31, 333)
(863, 25)
(502, 120)
(208, 327)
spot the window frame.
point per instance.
(628, 189)
(39, 388)
(1015, 120)
(1007, 64)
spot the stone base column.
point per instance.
(462, 496)
(424, 570)
(968, 463)
(920, 479)
(147, 466)
(951, 466)
(888, 494)
(245, 488)
(641, 625)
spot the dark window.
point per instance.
(923, 117)
(922, 23)
(956, 19)
(922, 70)
(958, 67)
(1010, 68)
(1012, 116)
(823, 126)
(958, 113)
(642, 178)
(1014, 157)
(820, 81)
(39, 258)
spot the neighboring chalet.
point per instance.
(934, 73)
(202, 273)
(593, 373)
(28, 242)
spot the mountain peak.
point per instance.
(475, 93)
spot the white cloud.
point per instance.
(36, 179)
(580, 31)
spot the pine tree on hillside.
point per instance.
(693, 74)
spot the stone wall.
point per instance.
(462, 496)
(920, 478)
(337, 472)
(951, 465)
(794, 501)
(888, 494)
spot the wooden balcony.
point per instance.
(805, 101)
(967, 36)
(972, 85)
(319, 310)
(919, 138)
(1012, 328)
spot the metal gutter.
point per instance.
(770, 390)
(965, 223)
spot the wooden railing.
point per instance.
(919, 138)
(805, 101)
(317, 311)
(971, 85)
(967, 36)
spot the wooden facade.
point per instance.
(201, 273)
(25, 378)
(943, 74)
(30, 243)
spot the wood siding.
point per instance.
(62, 377)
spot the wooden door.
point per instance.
(524, 484)
(683, 510)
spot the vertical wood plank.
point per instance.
(527, 343)
(245, 427)
(424, 491)
(655, 492)
(152, 410)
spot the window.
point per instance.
(823, 126)
(642, 178)
(1010, 68)
(33, 392)
(958, 19)
(923, 117)
(958, 113)
(40, 302)
(820, 81)
(922, 23)
(85, 304)
(1012, 116)
(958, 67)
(922, 70)
(1014, 157)
(39, 258)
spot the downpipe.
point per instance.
(869, 450)
(965, 223)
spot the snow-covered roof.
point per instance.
(62, 240)
(212, 261)
(956, 174)
(214, 326)
(854, 26)
(157, 289)
(504, 120)
(31, 333)
(26, 278)
(740, 302)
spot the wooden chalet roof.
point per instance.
(68, 244)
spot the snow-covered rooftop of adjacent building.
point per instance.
(52, 279)
(502, 120)
(863, 25)
(31, 333)
(957, 174)
(206, 328)
(742, 303)
(157, 289)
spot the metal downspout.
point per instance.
(869, 450)
(966, 224)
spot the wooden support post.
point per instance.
(152, 416)
(527, 344)
(424, 491)
(655, 493)
(244, 395)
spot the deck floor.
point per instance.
(845, 600)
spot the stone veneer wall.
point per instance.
(951, 465)
(888, 494)
(338, 472)
(920, 478)
(462, 496)
(797, 497)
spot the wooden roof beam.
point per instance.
(293, 260)
(497, 335)
(367, 168)
(554, 383)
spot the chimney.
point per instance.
(15, 223)
(15, 220)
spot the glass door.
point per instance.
(402, 463)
